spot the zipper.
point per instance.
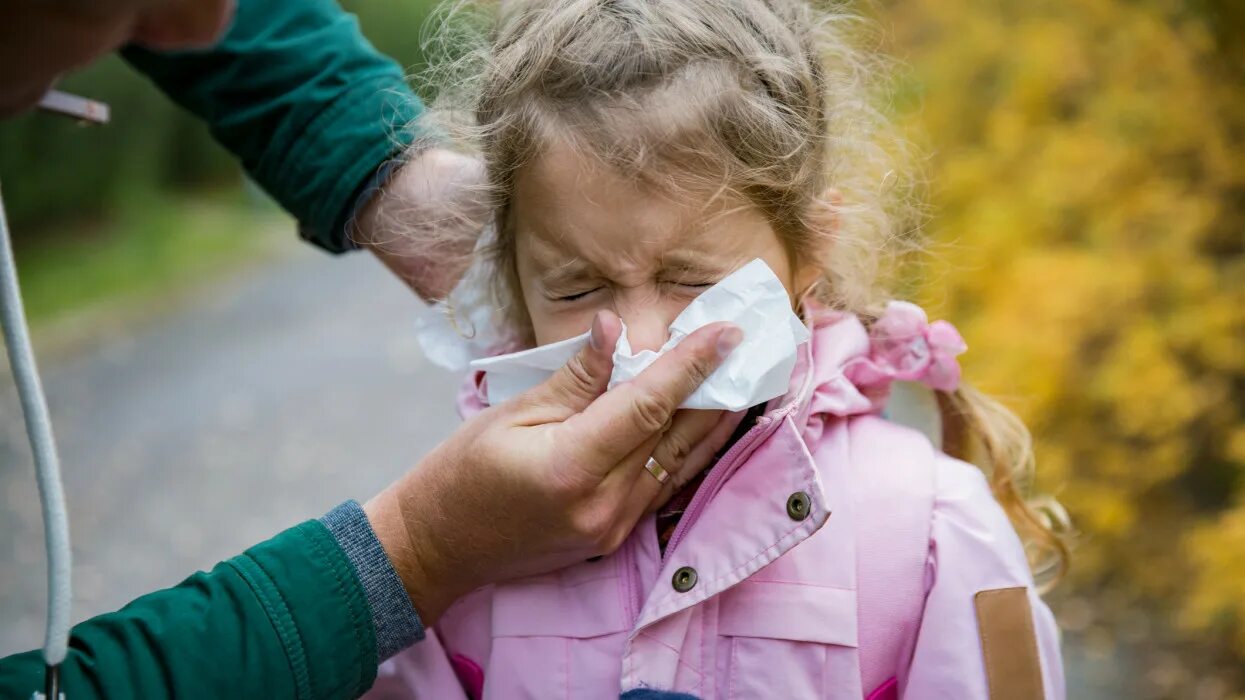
(715, 477)
(631, 582)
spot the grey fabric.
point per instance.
(397, 624)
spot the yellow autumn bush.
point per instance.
(1087, 171)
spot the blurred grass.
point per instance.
(147, 249)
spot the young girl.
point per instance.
(640, 151)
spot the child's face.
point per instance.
(588, 238)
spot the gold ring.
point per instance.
(652, 466)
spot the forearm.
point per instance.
(302, 99)
(307, 614)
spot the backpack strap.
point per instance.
(893, 471)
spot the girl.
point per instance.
(638, 152)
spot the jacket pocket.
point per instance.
(554, 638)
(788, 640)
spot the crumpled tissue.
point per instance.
(758, 370)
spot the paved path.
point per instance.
(269, 399)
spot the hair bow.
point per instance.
(905, 346)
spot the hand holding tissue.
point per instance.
(758, 370)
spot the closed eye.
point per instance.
(576, 296)
(692, 285)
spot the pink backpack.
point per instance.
(894, 507)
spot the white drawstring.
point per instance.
(47, 466)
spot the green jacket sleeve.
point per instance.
(310, 108)
(286, 619)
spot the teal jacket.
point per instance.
(286, 619)
(302, 99)
(313, 112)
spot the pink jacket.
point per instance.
(884, 585)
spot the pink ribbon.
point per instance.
(905, 346)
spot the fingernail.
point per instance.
(597, 338)
(728, 340)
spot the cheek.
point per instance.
(550, 326)
(554, 321)
(752, 236)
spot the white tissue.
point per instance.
(758, 370)
(467, 324)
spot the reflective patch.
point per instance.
(1009, 644)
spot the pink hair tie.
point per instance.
(905, 346)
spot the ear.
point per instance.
(825, 221)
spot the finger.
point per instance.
(623, 418)
(683, 452)
(706, 432)
(673, 452)
(617, 487)
(586, 375)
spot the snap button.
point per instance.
(684, 579)
(798, 506)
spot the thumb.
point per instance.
(586, 375)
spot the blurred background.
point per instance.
(212, 379)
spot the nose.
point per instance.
(648, 326)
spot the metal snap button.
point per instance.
(684, 579)
(798, 506)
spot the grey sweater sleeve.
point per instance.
(394, 618)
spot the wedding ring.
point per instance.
(652, 466)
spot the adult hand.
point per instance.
(40, 40)
(553, 477)
(424, 222)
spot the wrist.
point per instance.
(424, 221)
(404, 533)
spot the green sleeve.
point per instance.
(310, 108)
(286, 619)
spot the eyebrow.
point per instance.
(565, 274)
(691, 262)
